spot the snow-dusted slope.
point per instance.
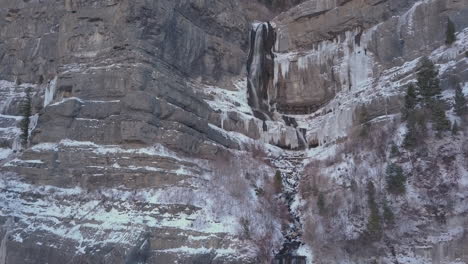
(144, 148)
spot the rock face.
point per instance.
(218, 131)
(325, 48)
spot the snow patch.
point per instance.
(4, 153)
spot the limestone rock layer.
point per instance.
(221, 131)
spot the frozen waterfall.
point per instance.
(260, 65)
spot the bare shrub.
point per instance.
(308, 184)
(245, 228)
(236, 181)
(258, 152)
(228, 175)
(333, 160)
(265, 248)
(314, 186)
(313, 231)
(278, 182)
(377, 135)
(272, 204)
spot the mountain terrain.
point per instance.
(245, 131)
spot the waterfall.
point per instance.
(260, 65)
(255, 66)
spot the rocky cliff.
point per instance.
(219, 131)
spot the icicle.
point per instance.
(224, 117)
(33, 122)
(50, 92)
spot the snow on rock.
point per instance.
(235, 101)
(354, 67)
(455, 50)
(406, 21)
(306, 251)
(213, 201)
(155, 150)
(50, 91)
(9, 92)
(227, 100)
(334, 120)
(4, 153)
(115, 224)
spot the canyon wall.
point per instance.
(159, 129)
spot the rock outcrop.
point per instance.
(160, 129)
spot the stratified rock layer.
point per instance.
(155, 137)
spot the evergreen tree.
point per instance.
(429, 88)
(450, 33)
(410, 101)
(25, 109)
(321, 203)
(374, 223)
(396, 181)
(388, 215)
(278, 182)
(410, 98)
(455, 128)
(394, 152)
(411, 136)
(428, 81)
(460, 101)
(420, 118)
(439, 118)
(245, 224)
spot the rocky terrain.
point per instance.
(220, 131)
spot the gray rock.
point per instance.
(124, 72)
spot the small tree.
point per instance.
(455, 128)
(460, 101)
(411, 97)
(245, 226)
(394, 152)
(388, 215)
(450, 33)
(363, 120)
(428, 81)
(396, 181)
(439, 118)
(278, 182)
(363, 115)
(374, 226)
(410, 101)
(321, 204)
(411, 137)
(25, 109)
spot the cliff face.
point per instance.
(191, 132)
